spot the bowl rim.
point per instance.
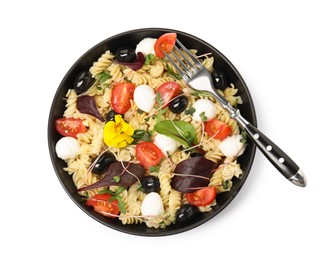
(121, 228)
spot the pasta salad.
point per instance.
(140, 145)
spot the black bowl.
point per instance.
(133, 37)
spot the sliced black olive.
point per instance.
(150, 184)
(220, 79)
(186, 213)
(110, 115)
(178, 105)
(82, 82)
(125, 54)
(103, 162)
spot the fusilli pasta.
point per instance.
(92, 143)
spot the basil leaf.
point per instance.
(180, 131)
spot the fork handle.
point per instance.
(288, 168)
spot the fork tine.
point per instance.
(186, 72)
(191, 56)
(194, 69)
(185, 68)
(179, 70)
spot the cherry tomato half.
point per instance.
(122, 93)
(70, 126)
(168, 91)
(165, 43)
(102, 205)
(148, 154)
(217, 129)
(202, 197)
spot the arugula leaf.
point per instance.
(180, 131)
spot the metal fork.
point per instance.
(198, 78)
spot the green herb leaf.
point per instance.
(149, 59)
(198, 93)
(122, 206)
(106, 191)
(116, 196)
(203, 117)
(141, 135)
(120, 189)
(104, 76)
(160, 113)
(116, 178)
(140, 111)
(158, 99)
(180, 131)
(84, 199)
(190, 111)
(173, 73)
(225, 185)
(126, 79)
(154, 168)
(244, 136)
(140, 188)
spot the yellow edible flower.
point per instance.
(118, 133)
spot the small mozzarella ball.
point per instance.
(152, 205)
(67, 147)
(144, 97)
(205, 107)
(232, 146)
(166, 144)
(146, 46)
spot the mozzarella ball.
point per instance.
(144, 97)
(67, 147)
(146, 46)
(166, 144)
(204, 107)
(232, 146)
(152, 205)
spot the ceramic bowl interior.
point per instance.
(132, 38)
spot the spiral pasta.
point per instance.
(92, 143)
(165, 177)
(102, 63)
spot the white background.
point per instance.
(281, 50)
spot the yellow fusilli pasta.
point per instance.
(107, 73)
